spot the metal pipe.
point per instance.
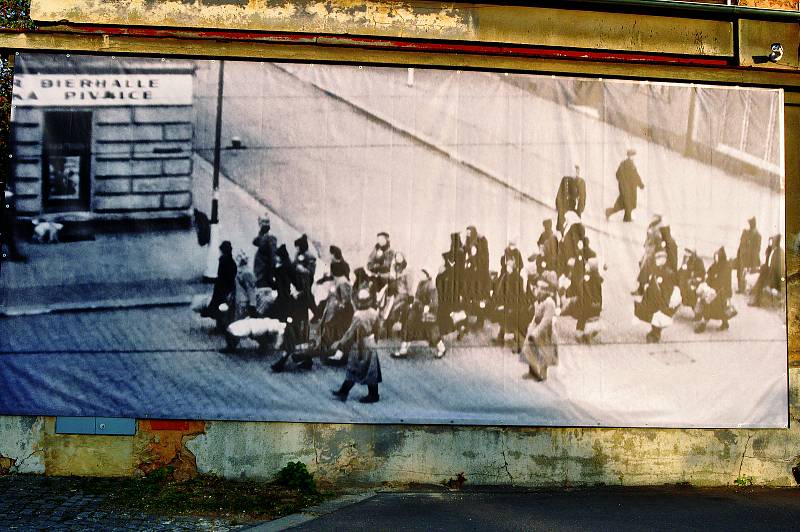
(217, 144)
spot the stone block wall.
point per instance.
(26, 134)
(142, 159)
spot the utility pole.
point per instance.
(213, 245)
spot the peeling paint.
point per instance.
(167, 448)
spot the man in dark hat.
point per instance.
(628, 181)
(571, 196)
(8, 229)
(379, 264)
(264, 261)
(748, 256)
(225, 282)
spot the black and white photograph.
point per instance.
(274, 241)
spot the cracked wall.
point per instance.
(21, 446)
(386, 455)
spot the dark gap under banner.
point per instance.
(391, 245)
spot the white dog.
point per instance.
(46, 232)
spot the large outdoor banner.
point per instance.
(391, 245)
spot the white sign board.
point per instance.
(61, 90)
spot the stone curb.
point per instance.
(291, 521)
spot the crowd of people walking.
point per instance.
(523, 296)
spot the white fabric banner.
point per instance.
(434, 246)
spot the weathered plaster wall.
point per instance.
(398, 455)
(21, 444)
(416, 19)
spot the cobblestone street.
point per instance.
(41, 503)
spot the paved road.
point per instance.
(602, 509)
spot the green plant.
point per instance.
(743, 481)
(296, 475)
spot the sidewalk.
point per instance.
(131, 269)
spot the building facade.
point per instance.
(104, 139)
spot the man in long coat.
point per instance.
(771, 273)
(363, 365)
(628, 181)
(571, 196)
(748, 257)
(225, 282)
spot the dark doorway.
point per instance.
(66, 161)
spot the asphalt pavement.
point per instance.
(629, 509)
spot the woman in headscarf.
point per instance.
(242, 299)
(541, 346)
(361, 281)
(363, 365)
(571, 244)
(714, 297)
(654, 306)
(399, 295)
(450, 284)
(304, 266)
(477, 280)
(690, 275)
(588, 301)
(338, 307)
